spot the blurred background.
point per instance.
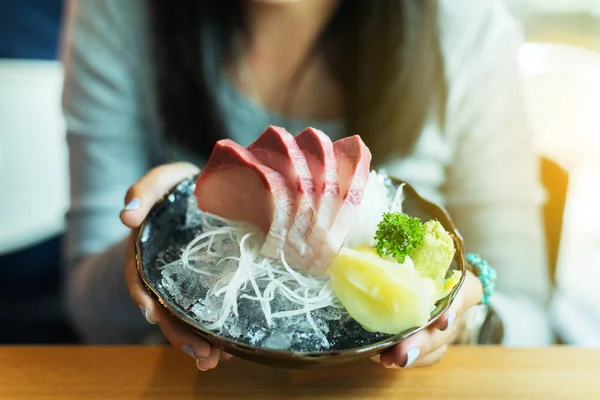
(561, 64)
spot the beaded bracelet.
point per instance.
(485, 273)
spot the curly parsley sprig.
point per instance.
(398, 235)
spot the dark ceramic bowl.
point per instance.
(165, 227)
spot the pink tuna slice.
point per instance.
(354, 161)
(319, 154)
(277, 149)
(236, 185)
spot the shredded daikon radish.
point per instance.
(396, 205)
(243, 265)
(295, 312)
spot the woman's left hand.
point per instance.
(428, 346)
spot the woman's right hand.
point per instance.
(139, 200)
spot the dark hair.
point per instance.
(385, 54)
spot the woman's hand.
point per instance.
(429, 345)
(139, 199)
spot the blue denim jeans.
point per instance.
(32, 309)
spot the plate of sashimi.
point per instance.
(295, 252)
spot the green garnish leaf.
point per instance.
(398, 235)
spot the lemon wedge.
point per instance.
(381, 295)
(443, 287)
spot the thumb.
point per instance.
(150, 188)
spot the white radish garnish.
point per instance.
(245, 265)
(375, 202)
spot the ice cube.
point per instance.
(167, 257)
(255, 334)
(234, 329)
(278, 341)
(193, 215)
(328, 313)
(209, 309)
(183, 285)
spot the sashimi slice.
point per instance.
(354, 161)
(277, 149)
(375, 202)
(235, 185)
(318, 151)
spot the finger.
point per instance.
(468, 296)
(474, 295)
(376, 359)
(448, 318)
(225, 356)
(150, 188)
(442, 332)
(148, 307)
(426, 360)
(184, 339)
(209, 362)
(420, 345)
(176, 334)
(407, 351)
(429, 359)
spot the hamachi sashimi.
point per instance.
(374, 204)
(319, 154)
(277, 149)
(354, 161)
(235, 185)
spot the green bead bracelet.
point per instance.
(485, 273)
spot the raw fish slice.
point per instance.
(318, 151)
(354, 161)
(277, 149)
(235, 185)
(375, 202)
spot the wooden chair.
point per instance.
(562, 92)
(555, 180)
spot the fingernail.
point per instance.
(189, 350)
(145, 313)
(200, 367)
(450, 321)
(132, 205)
(411, 356)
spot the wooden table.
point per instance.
(164, 373)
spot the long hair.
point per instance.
(385, 55)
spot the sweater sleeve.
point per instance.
(111, 147)
(493, 191)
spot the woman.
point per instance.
(432, 88)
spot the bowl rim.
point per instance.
(226, 343)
